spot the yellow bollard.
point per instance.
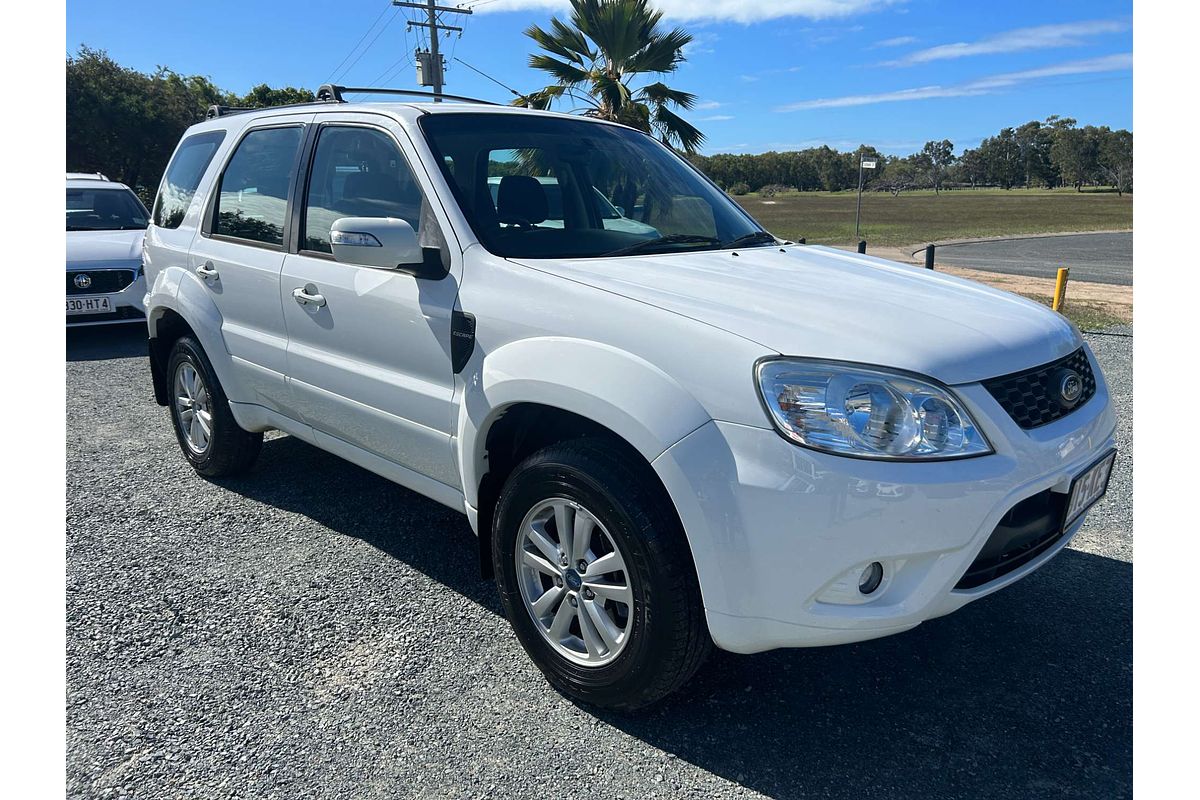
(1060, 288)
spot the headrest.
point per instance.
(521, 199)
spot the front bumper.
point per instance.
(780, 533)
(128, 306)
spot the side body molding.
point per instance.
(621, 391)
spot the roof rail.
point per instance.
(332, 93)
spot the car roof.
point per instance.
(404, 110)
(94, 183)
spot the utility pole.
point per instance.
(433, 75)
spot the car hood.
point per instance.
(104, 248)
(825, 303)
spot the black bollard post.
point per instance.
(929, 256)
(862, 246)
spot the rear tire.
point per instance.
(209, 436)
(663, 636)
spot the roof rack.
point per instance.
(332, 93)
(222, 111)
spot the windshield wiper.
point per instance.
(674, 238)
(757, 237)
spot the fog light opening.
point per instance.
(871, 577)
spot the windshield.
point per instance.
(104, 210)
(545, 187)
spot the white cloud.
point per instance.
(726, 10)
(989, 85)
(716, 118)
(707, 105)
(1071, 34)
(898, 41)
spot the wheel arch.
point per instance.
(186, 311)
(533, 393)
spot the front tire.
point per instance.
(209, 436)
(596, 577)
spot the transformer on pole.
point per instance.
(431, 66)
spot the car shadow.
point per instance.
(1024, 693)
(106, 341)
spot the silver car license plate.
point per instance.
(89, 305)
(1088, 487)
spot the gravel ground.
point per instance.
(314, 631)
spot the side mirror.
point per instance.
(384, 242)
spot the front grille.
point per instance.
(1032, 397)
(1029, 529)
(103, 281)
(122, 313)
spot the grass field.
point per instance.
(922, 217)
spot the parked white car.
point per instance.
(105, 225)
(708, 437)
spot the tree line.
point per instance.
(1047, 154)
(125, 123)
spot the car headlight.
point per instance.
(866, 412)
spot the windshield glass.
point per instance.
(104, 210)
(545, 187)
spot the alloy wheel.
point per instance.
(574, 582)
(193, 408)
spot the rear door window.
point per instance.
(183, 176)
(253, 198)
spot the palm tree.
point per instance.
(608, 45)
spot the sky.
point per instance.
(769, 74)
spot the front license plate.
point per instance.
(1089, 487)
(89, 305)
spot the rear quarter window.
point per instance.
(183, 177)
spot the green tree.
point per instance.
(263, 95)
(935, 158)
(970, 168)
(1074, 152)
(596, 59)
(1116, 159)
(1001, 156)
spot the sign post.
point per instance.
(863, 163)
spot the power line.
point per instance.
(370, 44)
(361, 39)
(489, 77)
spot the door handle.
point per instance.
(207, 270)
(307, 296)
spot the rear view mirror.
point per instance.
(384, 242)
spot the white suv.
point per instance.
(707, 437)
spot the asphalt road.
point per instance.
(1094, 257)
(311, 630)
